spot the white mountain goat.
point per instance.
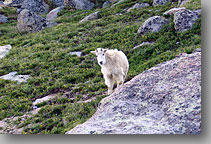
(114, 66)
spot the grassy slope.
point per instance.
(44, 56)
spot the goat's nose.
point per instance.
(101, 62)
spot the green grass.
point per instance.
(44, 56)
(193, 4)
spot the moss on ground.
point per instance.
(44, 56)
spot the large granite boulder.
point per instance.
(80, 4)
(185, 19)
(30, 22)
(165, 99)
(16, 3)
(160, 2)
(38, 6)
(152, 24)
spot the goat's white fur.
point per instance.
(114, 66)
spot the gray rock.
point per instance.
(3, 19)
(52, 15)
(37, 6)
(174, 10)
(4, 50)
(14, 77)
(152, 24)
(138, 6)
(90, 17)
(83, 4)
(58, 2)
(16, 3)
(160, 2)
(76, 53)
(106, 3)
(184, 20)
(165, 99)
(30, 22)
(44, 99)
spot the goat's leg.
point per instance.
(120, 80)
(110, 84)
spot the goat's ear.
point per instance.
(93, 52)
(105, 50)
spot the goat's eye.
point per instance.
(103, 54)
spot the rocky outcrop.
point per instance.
(37, 6)
(120, 1)
(165, 99)
(174, 10)
(90, 17)
(4, 50)
(52, 15)
(3, 19)
(160, 2)
(184, 20)
(138, 6)
(16, 3)
(152, 24)
(14, 77)
(30, 22)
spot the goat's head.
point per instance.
(100, 53)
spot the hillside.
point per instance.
(75, 83)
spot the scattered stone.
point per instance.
(14, 77)
(138, 6)
(47, 98)
(174, 10)
(37, 6)
(90, 17)
(197, 50)
(142, 44)
(165, 99)
(117, 3)
(58, 2)
(3, 19)
(152, 24)
(83, 4)
(198, 11)
(4, 50)
(76, 53)
(52, 15)
(30, 22)
(184, 20)
(160, 2)
(106, 3)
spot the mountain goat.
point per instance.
(114, 66)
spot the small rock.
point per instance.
(3, 19)
(197, 50)
(76, 53)
(14, 77)
(142, 44)
(58, 2)
(138, 6)
(182, 2)
(106, 3)
(174, 10)
(52, 15)
(4, 50)
(184, 20)
(90, 17)
(152, 24)
(83, 4)
(117, 3)
(46, 98)
(160, 2)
